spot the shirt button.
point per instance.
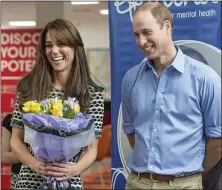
(154, 130)
(157, 111)
(150, 167)
(152, 148)
(160, 94)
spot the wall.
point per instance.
(93, 26)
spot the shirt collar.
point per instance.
(178, 62)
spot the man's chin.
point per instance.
(150, 56)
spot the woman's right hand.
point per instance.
(40, 168)
(22, 152)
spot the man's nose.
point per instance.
(141, 41)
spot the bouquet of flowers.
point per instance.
(56, 130)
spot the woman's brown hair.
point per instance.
(38, 83)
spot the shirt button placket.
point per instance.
(156, 121)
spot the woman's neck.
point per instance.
(60, 80)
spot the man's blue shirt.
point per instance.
(172, 115)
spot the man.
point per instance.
(171, 108)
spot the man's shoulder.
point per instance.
(200, 69)
(132, 73)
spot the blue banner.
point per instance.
(197, 27)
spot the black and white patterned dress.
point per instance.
(28, 179)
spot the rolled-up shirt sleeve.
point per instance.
(127, 106)
(211, 105)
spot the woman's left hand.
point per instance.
(62, 171)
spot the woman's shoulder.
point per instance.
(96, 95)
(24, 84)
(93, 89)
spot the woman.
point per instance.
(62, 71)
(8, 157)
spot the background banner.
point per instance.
(18, 54)
(197, 30)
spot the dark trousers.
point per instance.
(213, 179)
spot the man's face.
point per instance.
(150, 37)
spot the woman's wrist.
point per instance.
(86, 161)
(77, 169)
(33, 163)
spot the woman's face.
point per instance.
(60, 56)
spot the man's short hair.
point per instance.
(159, 11)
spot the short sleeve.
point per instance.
(17, 116)
(6, 122)
(96, 109)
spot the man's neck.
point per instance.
(165, 60)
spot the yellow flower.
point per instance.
(25, 109)
(57, 104)
(32, 107)
(77, 108)
(36, 108)
(56, 112)
(27, 106)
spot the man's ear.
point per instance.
(167, 26)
